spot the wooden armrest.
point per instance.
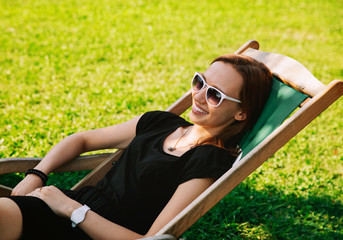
(13, 165)
(159, 237)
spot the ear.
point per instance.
(240, 116)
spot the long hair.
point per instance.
(257, 82)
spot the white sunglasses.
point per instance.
(213, 95)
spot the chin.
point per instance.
(192, 117)
(198, 119)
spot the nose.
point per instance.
(200, 96)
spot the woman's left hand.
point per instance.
(59, 203)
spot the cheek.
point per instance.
(193, 94)
(227, 113)
(222, 121)
(228, 108)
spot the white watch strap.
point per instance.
(78, 215)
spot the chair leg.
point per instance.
(5, 191)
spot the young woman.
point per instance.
(167, 163)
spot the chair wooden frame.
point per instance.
(290, 71)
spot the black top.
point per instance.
(144, 179)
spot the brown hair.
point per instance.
(257, 82)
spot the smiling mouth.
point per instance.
(197, 109)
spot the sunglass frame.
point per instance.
(223, 95)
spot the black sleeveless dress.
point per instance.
(138, 186)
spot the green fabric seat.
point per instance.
(282, 101)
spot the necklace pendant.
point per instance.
(171, 149)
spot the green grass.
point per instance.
(70, 66)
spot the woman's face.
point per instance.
(225, 78)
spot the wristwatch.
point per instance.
(78, 215)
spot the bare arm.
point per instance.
(183, 196)
(117, 136)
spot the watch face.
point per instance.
(78, 215)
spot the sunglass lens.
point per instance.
(197, 83)
(213, 96)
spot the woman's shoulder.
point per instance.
(159, 119)
(205, 161)
(213, 152)
(159, 115)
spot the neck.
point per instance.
(198, 133)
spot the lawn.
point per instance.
(71, 66)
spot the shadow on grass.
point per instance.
(270, 214)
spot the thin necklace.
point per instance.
(171, 149)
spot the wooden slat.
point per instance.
(12, 165)
(5, 191)
(86, 162)
(99, 172)
(182, 104)
(253, 160)
(289, 70)
(253, 44)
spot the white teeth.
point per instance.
(199, 109)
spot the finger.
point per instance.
(31, 194)
(40, 189)
(35, 193)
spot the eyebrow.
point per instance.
(202, 74)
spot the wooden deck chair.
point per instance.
(293, 85)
